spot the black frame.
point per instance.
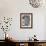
(30, 20)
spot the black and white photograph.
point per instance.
(26, 20)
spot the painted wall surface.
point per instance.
(13, 8)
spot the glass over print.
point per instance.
(25, 20)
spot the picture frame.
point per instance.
(26, 20)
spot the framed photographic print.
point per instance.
(26, 20)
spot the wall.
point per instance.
(13, 8)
